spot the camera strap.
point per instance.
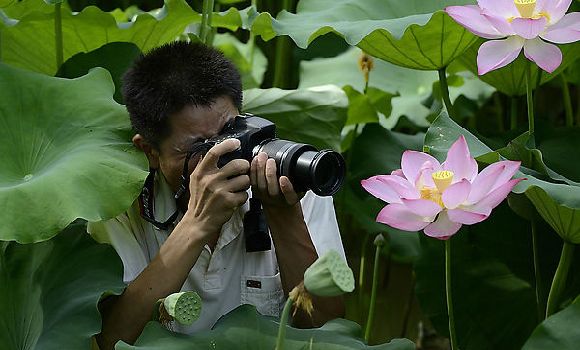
(256, 228)
(147, 203)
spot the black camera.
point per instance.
(307, 168)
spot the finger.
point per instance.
(238, 198)
(238, 183)
(271, 178)
(234, 168)
(288, 190)
(261, 172)
(209, 161)
(254, 172)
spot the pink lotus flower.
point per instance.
(524, 23)
(440, 198)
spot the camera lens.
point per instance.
(308, 169)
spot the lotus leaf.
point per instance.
(66, 153)
(414, 33)
(50, 290)
(559, 331)
(244, 328)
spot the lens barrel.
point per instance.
(307, 168)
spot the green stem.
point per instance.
(567, 101)
(513, 113)
(204, 32)
(282, 57)
(452, 335)
(212, 31)
(58, 34)
(539, 300)
(530, 98)
(445, 92)
(361, 270)
(578, 107)
(252, 38)
(283, 321)
(371, 314)
(559, 281)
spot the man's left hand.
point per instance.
(273, 192)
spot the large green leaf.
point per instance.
(50, 290)
(66, 153)
(114, 57)
(315, 115)
(559, 331)
(557, 203)
(29, 42)
(249, 60)
(244, 328)
(410, 87)
(511, 79)
(414, 33)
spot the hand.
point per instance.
(273, 192)
(216, 192)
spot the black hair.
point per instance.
(170, 77)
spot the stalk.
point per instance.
(212, 31)
(539, 300)
(567, 101)
(283, 322)
(361, 270)
(445, 92)
(530, 98)
(452, 334)
(252, 38)
(559, 281)
(379, 242)
(282, 54)
(204, 33)
(513, 113)
(58, 34)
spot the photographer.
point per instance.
(177, 95)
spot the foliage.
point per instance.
(244, 328)
(50, 290)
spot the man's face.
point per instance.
(188, 126)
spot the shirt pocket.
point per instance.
(264, 292)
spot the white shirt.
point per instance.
(227, 277)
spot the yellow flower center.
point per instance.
(442, 180)
(526, 7)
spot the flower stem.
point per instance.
(559, 281)
(530, 99)
(58, 34)
(445, 92)
(282, 59)
(371, 315)
(363, 258)
(204, 33)
(513, 113)
(283, 322)
(567, 101)
(452, 335)
(541, 307)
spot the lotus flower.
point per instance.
(440, 198)
(524, 23)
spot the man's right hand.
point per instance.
(216, 192)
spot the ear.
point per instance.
(151, 152)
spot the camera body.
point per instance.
(307, 168)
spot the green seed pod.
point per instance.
(329, 276)
(184, 307)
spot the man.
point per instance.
(177, 95)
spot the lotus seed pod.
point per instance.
(329, 276)
(183, 307)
